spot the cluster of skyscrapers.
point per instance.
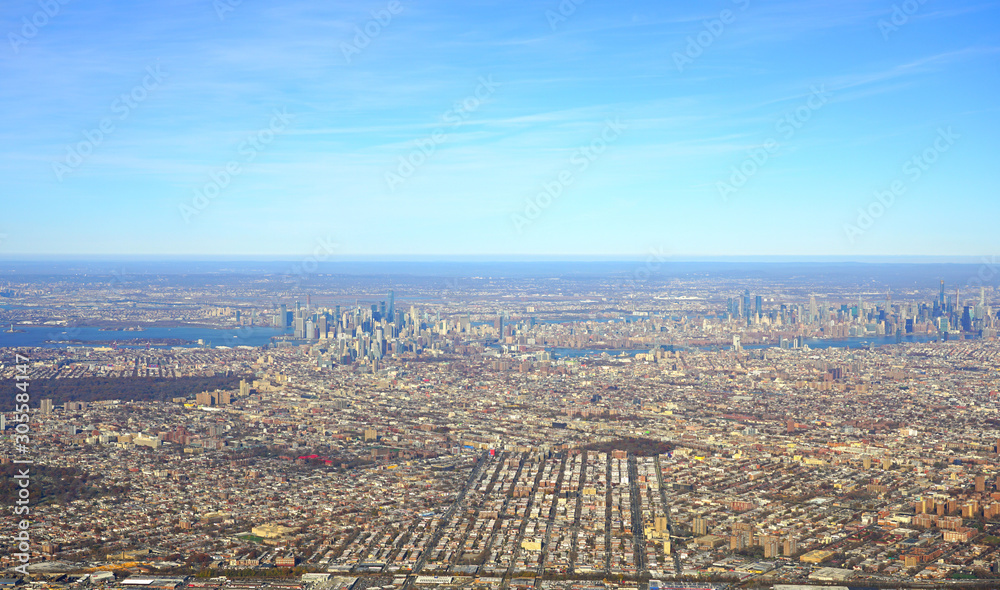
(320, 324)
(944, 314)
(361, 332)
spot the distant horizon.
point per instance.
(332, 259)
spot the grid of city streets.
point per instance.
(532, 515)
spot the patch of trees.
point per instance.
(55, 484)
(641, 447)
(755, 552)
(93, 389)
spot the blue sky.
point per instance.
(822, 104)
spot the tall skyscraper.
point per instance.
(392, 305)
(966, 321)
(941, 297)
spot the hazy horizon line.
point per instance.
(540, 258)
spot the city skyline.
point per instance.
(532, 129)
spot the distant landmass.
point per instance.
(893, 271)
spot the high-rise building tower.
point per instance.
(700, 526)
(791, 546)
(941, 296)
(966, 321)
(392, 304)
